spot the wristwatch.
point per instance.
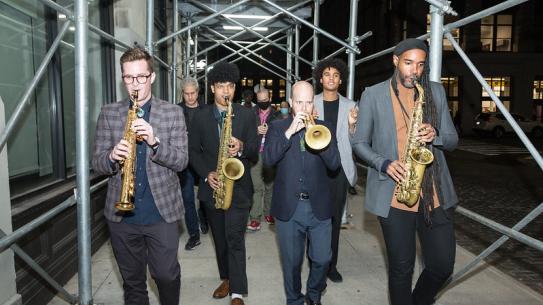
(154, 147)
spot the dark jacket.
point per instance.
(314, 166)
(204, 144)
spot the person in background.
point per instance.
(190, 105)
(262, 175)
(247, 97)
(284, 109)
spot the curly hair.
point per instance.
(223, 72)
(335, 63)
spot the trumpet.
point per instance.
(317, 136)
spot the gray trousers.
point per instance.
(263, 187)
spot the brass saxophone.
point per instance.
(228, 169)
(128, 165)
(416, 157)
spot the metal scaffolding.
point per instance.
(241, 48)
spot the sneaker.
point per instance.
(269, 220)
(193, 242)
(253, 226)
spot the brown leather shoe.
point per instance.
(237, 301)
(222, 291)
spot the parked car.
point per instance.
(496, 124)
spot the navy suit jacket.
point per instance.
(291, 163)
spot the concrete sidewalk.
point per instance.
(361, 262)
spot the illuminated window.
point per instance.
(269, 83)
(451, 89)
(249, 82)
(282, 94)
(502, 88)
(244, 82)
(497, 33)
(538, 89)
(262, 83)
(282, 83)
(447, 46)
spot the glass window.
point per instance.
(95, 84)
(282, 83)
(538, 98)
(22, 32)
(262, 83)
(249, 82)
(244, 82)
(447, 46)
(451, 89)
(501, 86)
(282, 94)
(269, 83)
(497, 33)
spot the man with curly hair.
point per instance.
(339, 111)
(227, 226)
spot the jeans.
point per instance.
(187, 191)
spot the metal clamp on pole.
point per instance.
(444, 6)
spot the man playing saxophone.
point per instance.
(381, 139)
(147, 235)
(227, 223)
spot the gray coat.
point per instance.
(168, 124)
(375, 141)
(342, 134)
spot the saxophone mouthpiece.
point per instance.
(226, 98)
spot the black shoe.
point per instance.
(193, 242)
(308, 301)
(352, 190)
(335, 276)
(204, 228)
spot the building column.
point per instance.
(8, 290)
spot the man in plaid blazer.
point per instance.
(148, 235)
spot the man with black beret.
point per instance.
(380, 140)
(227, 226)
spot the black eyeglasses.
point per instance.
(142, 79)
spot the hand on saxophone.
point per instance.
(119, 151)
(212, 180)
(144, 131)
(396, 171)
(234, 146)
(426, 133)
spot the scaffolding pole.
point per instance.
(150, 23)
(296, 51)
(436, 43)
(289, 64)
(186, 62)
(82, 152)
(174, 52)
(195, 59)
(350, 54)
(316, 15)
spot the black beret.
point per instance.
(410, 44)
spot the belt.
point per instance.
(303, 196)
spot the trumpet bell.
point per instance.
(318, 137)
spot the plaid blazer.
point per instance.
(168, 124)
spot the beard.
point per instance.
(408, 81)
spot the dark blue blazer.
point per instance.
(287, 156)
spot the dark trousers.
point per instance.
(340, 185)
(228, 229)
(292, 236)
(438, 251)
(137, 246)
(187, 191)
